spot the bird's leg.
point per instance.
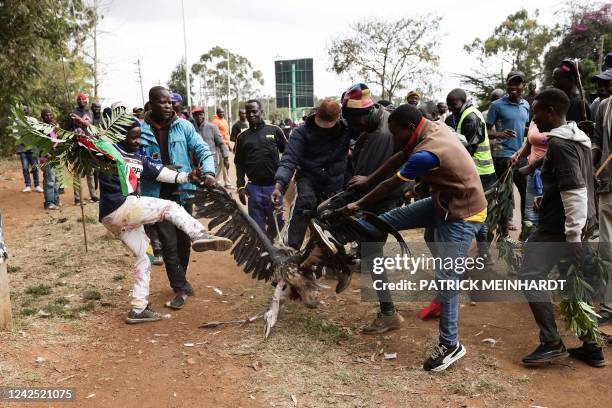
(271, 314)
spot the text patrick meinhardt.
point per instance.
(458, 265)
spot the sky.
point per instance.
(266, 30)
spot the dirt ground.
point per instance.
(69, 331)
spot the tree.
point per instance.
(390, 54)
(586, 36)
(177, 82)
(516, 44)
(35, 36)
(245, 80)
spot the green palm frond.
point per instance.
(66, 150)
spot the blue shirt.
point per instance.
(417, 165)
(509, 115)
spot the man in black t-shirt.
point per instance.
(565, 212)
(239, 126)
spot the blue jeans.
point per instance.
(50, 186)
(261, 210)
(29, 162)
(451, 239)
(534, 189)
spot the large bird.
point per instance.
(286, 268)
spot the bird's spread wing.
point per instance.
(252, 250)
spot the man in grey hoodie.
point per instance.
(566, 210)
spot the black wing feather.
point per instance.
(252, 248)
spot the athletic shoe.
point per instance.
(208, 242)
(188, 290)
(545, 354)
(158, 260)
(94, 199)
(384, 323)
(52, 207)
(38, 189)
(431, 311)
(325, 237)
(145, 316)
(177, 302)
(443, 356)
(591, 354)
(27, 189)
(77, 202)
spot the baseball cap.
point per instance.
(515, 74)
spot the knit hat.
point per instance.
(357, 100)
(82, 95)
(197, 109)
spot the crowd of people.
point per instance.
(418, 165)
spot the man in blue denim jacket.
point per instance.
(172, 141)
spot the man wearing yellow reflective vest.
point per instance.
(454, 212)
(469, 122)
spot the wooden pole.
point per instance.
(82, 214)
(603, 165)
(6, 314)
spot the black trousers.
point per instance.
(541, 253)
(306, 202)
(176, 248)
(520, 181)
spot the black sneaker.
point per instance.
(443, 356)
(145, 316)
(324, 237)
(208, 242)
(545, 354)
(177, 302)
(591, 354)
(605, 317)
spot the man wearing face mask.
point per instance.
(317, 153)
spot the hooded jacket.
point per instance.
(183, 139)
(568, 203)
(316, 154)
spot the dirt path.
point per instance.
(315, 358)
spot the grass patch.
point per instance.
(65, 274)
(28, 311)
(13, 268)
(61, 301)
(480, 386)
(92, 295)
(118, 277)
(88, 220)
(38, 290)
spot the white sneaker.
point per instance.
(26, 190)
(208, 242)
(52, 207)
(38, 189)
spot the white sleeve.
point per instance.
(170, 176)
(575, 204)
